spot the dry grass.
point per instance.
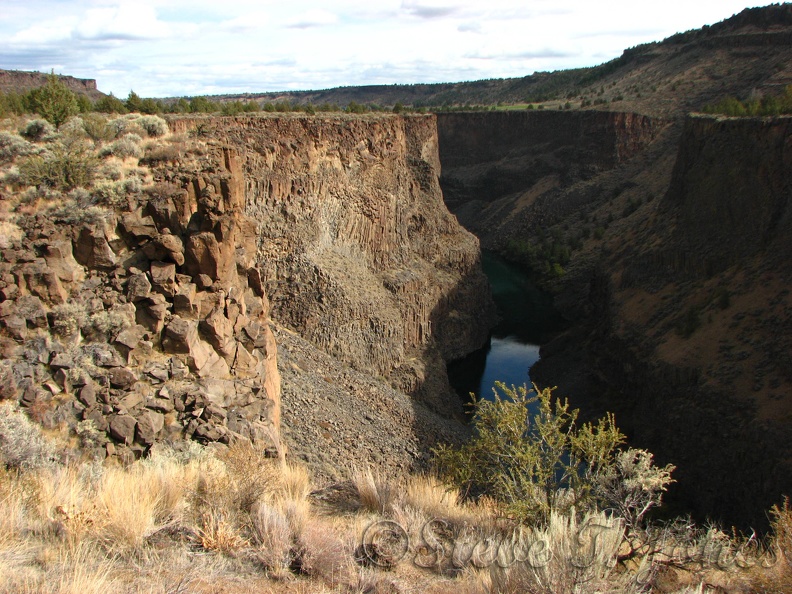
(377, 493)
(323, 554)
(564, 556)
(773, 573)
(234, 521)
(274, 538)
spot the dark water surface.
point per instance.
(527, 319)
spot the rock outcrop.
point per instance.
(357, 251)
(150, 321)
(129, 332)
(21, 81)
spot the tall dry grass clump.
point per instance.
(377, 493)
(564, 556)
(773, 574)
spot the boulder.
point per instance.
(122, 377)
(16, 326)
(32, 310)
(138, 229)
(138, 288)
(219, 332)
(149, 424)
(122, 428)
(130, 337)
(88, 395)
(92, 250)
(8, 384)
(60, 259)
(204, 256)
(44, 283)
(151, 312)
(181, 337)
(165, 248)
(163, 277)
(185, 302)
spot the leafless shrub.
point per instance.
(632, 485)
(67, 319)
(107, 324)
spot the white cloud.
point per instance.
(428, 10)
(121, 22)
(178, 47)
(313, 18)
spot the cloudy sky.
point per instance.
(165, 48)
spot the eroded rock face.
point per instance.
(111, 318)
(356, 248)
(503, 171)
(152, 323)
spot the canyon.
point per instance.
(678, 305)
(301, 282)
(327, 232)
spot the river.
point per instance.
(526, 320)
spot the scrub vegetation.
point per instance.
(190, 518)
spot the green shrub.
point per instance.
(97, 128)
(54, 101)
(529, 454)
(67, 165)
(37, 130)
(110, 104)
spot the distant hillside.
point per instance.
(633, 79)
(19, 81)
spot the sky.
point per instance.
(169, 48)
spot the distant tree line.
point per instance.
(769, 105)
(56, 103)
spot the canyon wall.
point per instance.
(501, 169)
(358, 252)
(21, 81)
(688, 318)
(677, 285)
(705, 316)
(142, 322)
(149, 316)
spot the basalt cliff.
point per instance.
(157, 317)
